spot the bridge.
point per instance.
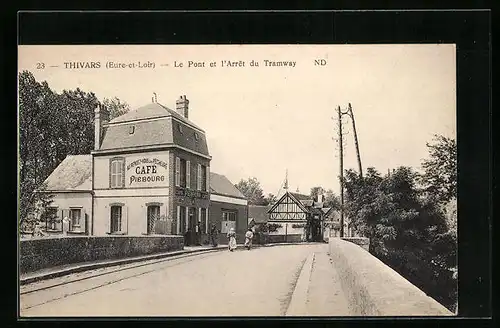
(317, 279)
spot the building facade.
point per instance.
(300, 218)
(228, 208)
(149, 173)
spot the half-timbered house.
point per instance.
(300, 218)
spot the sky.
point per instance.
(264, 121)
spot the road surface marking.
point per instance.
(297, 306)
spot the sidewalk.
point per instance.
(63, 270)
(67, 269)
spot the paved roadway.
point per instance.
(259, 282)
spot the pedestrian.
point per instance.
(198, 233)
(213, 235)
(248, 238)
(187, 239)
(231, 236)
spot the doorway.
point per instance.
(315, 226)
(191, 227)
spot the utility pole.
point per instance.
(351, 114)
(341, 177)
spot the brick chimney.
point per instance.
(101, 117)
(182, 106)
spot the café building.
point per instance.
(149, 173)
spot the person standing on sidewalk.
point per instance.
(213, 235)
(231, 235)
(198, 233)
(248, 238)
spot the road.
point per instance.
(260, 282)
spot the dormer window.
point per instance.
(180, 128)
(131, 129)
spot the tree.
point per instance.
(440, 169)
(252, 191)
(316, 191)
(51, 126)
(331, 200)
(408, 232)
(270, 199)
(116, 107)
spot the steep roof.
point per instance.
(74, 173)
(150, 111)
(293, 197)
(221, 185)
(153, 125)
(300, 196)
(307, 202)
(258, 213)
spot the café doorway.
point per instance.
(191, 236)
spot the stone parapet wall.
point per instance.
(42, 253)
(360, 241)
(374, 289)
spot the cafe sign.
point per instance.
(147, 172)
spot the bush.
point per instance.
(272, 227)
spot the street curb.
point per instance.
(93, 266)
(297, 306)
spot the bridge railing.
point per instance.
(374, 289)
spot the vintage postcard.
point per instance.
(237, 180)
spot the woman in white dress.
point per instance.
(248, 238)
(231, 235)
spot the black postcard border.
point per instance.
(470, 30)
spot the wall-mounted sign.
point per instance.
(146, 172)
(189, 193)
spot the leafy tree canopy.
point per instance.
(51, 126)
(440, 169)
(252, 190)
(407, 231)
(331, 200)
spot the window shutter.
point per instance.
(55, 224)
(177, 171)
(188, 174)
(110, 173)
(198, 180)
(83, 221)
(124, 223)
(122, 177)
(206, 220)
(207, 178)
(178, 225)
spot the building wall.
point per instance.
(288, 229)
(66, 200)
(177, 198)
(215, 215)
(133, 164)
(147, 181)
(134, 212)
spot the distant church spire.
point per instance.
(297, 189)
